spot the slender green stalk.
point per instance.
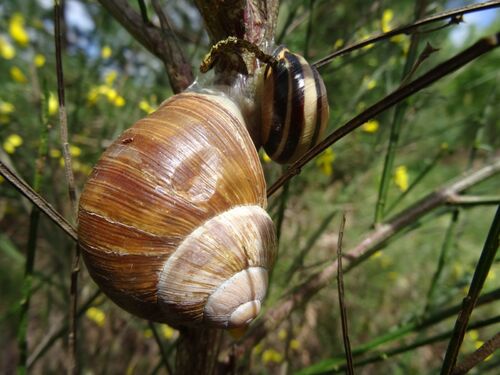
(428, 167)
(27, 287)
(481, 272)
(397, 121)
(420, 342)
(281, 210)
(298, 261)
(445, 249)
(309, 29)
(420, 323)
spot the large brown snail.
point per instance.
(172, 220)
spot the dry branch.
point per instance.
(161, 44)
(372, 242)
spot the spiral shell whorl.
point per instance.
(177, 170)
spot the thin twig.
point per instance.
(454, 14)
(418, 343)
(70, 178)
(343, 309)
(479, 48)
(478, 356)
(63, 119)
(365, 248)
(397, 122)
(58, 331)
(38, 201)
(27, 287)
(469, 302)
(473, 200)
(163, 353)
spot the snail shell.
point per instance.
(172, 224)
(294, 107)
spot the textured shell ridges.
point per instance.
(181, 168)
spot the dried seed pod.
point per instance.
(294, 107)
(172, 224)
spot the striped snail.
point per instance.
(172, 220)
(294, 107)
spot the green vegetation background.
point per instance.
(111, 81)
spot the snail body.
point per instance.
(172, 224)
(294, 107)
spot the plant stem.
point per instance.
(453, 14)
(399, 113)
(480, 274)
(443, 256)
(27, 287)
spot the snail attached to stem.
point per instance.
(172, 220)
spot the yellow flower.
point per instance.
(75, 151)
(294, 344)
(167, 331)
(491, 275)
(370, 83)
(12, 142)
(106, 52)
(39, 60)
(18, 75)
(338, 44)
(110, 77)
(6, 107)
(401, 178)
(325, 161)
(282, 334)
(265, 157)
(370, 126)
(7, 51)
(271, 355)
(146, 107)
(473, 334)
(53, 104)
(110, 93)
(119, 101)
(54, 153)
(96, 315)
(400, 38)
(17, 30)
(363, 38)
(387, 17)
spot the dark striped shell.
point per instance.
(294, 107)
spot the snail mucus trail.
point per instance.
(172, 220)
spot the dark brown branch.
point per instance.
(38, 201)
(479, 48)
(364, 249)
(478, 356)
(160, 44)
(454, 15)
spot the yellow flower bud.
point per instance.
(7, 50)
(18, 75)
(17, 30)
(39, 60)
(106, 52)
(96, 315)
